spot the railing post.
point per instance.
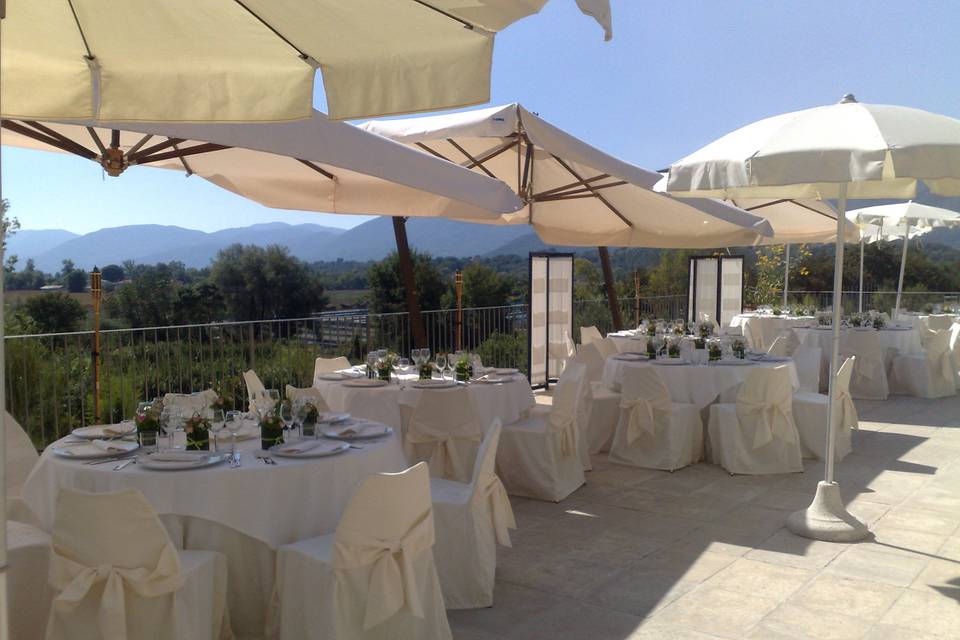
(458, 282)
(95, 294)
(253, 349)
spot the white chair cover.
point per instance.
(374, 578)
(606, 347)
(538, 455)
(329, 365)
(807, 361)
(470, 519)
(28, 558)
(928, 375)
(191, 403)
(753, 337)
(255, 388)
(780, 347)
(310, 394)
(117, 574)
(444, 429)
(757, 435)
(589, 334)
(21, 457)
(599, 407)
(955, 349)
(654, 432)
(810, 413)
(939, 322)
(869, 379)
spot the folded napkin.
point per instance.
(355, 430)
(301, 447)
(118, 429)
(115, 446)
(177, 456)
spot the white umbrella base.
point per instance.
(826, 518)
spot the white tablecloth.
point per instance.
(766, 328)
(507, 401)
(892, 342)
(695, 384)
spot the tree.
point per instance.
(386, 287)
(484, 287)
(671, 275)
(146, 301)
(587, 280)
(76, 281)
(265, 284)
(8, 225)
(55, 312)
(112, 273)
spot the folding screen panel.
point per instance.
(551, 315)
(716, 288)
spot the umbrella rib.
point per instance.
(550, 192)
(64, 144)
(433, 152)
(160, 146)
(206, 147)
(97, 141)
(183, 161)
(57, 136)
(139, 144)
(595, 193)
(796, 202)
(445, 13)
(573, 192)
(476, 163)
(83, 36)
(275, 32)
(494, 153)
(317, 168)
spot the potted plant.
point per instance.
(148, 424)
(464, 367)
(386, 365)
(197, 429)
(739, 348)
(777, 311)
(425, 370)
(271, 428)
(714, 351)
(308, 421)
(673, 348)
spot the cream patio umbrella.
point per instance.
(829, 153)
(574, 194)
(902, 220)
(249, 60)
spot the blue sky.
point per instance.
(675, 76)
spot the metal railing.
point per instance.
(920, 301)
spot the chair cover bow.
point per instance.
(566, 429)
(939, 355)
(770, 418)
(640, 419)
(392, 579)
(75, 580)
(848, 411)
(445, 459)
(501, 513)
(869, 364)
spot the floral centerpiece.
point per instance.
(271, 428)
(877, 319)
(678, 328)
(739, 348)
(386, 364)
(714, 351)
(824, 318)
(651, 328)
(425, 370)
(651, 348)
(464, 367)
(309, 415)
(855, 320)
(197, 429)
(673, 347)
(148, 424)
(705, 329)
(777, 311)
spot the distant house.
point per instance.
(52, 287)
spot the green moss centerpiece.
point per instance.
(197, 429)
(308, 422)
(714, 351)
(425, 370)
(148, 424)
(271, 428)
(739, 349)
(464, 368)
(386, 365)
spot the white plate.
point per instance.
(433, 384)
(733, 363)
(494, 380)
(370, 383)
(87, 452)
(631, 357)
(337, 376)
(186, 460)
(96, 432)
(506, 371)
(317, 449)
(670, 362)
(332, 417)
(367, 431)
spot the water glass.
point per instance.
(216, 425)
(169, 423)
(442, 364)
(233, 421)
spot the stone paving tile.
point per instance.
(792, 621)
(940, 577)
(728, 614)
(893, 632)
(926, 613)
(512, 605)
(867, 563)
(792, 550)
(577, 620)
(863, 599)
(774, 581)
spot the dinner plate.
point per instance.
(335, 377)
(630, 357)
(366, 382)
(433, 384)
(506, 371)
(88, 451)
(494, 379)
(332, 417)
(96, 432)
(362, 431)
(182, 460)
(309, 449)
(670, 362)
(733, 363)
(775, 359)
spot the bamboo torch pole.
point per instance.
(636, 296)
(96, 293)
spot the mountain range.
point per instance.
(372, 240)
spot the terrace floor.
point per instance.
(700, 554)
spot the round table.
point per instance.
(245, 513)
(766, 327)
(699, 384)
(507, 401)
(892, 342)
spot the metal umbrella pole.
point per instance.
(903, 266)
(786, 275)
(860, 300)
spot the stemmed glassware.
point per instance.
(288, 416)
(169, 423)
(233, 420)
(216, 425)
(442, 364)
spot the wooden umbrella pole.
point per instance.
(417, 330)
(636, 295)
(458, 282)
(609, 285)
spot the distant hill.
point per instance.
(27, 243)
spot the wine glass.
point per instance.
(415, 356)
(233, 421)
(287, 415)
(216, 425)
(442, 364)
(169, 422)
(425, 354)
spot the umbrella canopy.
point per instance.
(798, 221)
(250, 60)
(313, 165)
(832, 152)
(575, 194)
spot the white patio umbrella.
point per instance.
(869, 234)
(902, 220)
(249, 60)
(833, 152)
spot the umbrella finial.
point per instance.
(848, 98)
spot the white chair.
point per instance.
(443, 428)
(599, 407)
(374, 577)
(329, 365)
(754, 337)
(807, 361)
(757, 434)
(255, 389)
(926, 375)
(309, 394)
(538, 455)
(780, 347)
(117, 574)
(28, 559)
(589, 334)
(810, 414)
(939, 322)
(654, 432)
(21, 458)
(955, 349)
(191, 403)
(869, 380)
(470, 519)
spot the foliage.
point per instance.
(484, 287)
(587, 280)
(8, 225)
(55, 312)
(386, 284)
(29, 278)
(504, 350)
(112, 273)
(769, 271)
